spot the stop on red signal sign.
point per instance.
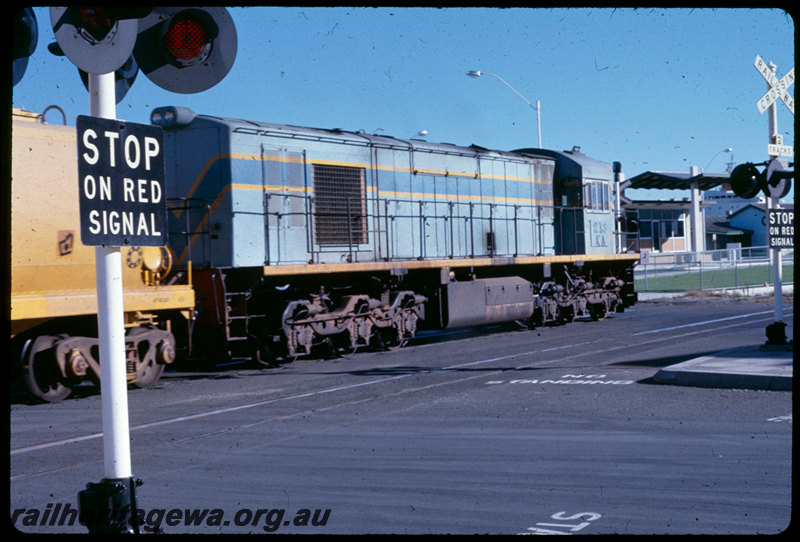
(122, 195)
(780, 228)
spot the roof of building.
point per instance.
(762, 207)
(664, 204)
(666, 180)
(719, 225)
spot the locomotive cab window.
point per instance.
(597, 196)
(340, 206)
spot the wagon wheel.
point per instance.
(147, 373)
(43, 376)
(144, 356)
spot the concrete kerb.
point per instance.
(762, 367)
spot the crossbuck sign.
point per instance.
(778, 88)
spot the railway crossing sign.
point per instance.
(122, 198)
(778, 88)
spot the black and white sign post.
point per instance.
(122, 202)
(777, 89)
(122, 194)
(110, 319)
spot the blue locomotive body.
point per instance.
(301, 236)
(286, 195)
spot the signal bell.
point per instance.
(186, 50)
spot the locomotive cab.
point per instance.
(584, 210)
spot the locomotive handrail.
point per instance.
(356, 229)
(417, 214)
(187, 204)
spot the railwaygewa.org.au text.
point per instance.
(56, 515)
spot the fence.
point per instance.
(716, 269)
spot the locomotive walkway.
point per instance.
(764, 367)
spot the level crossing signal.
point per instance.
(183, 50)
(25, 35)
(186, 50)
(747, 181)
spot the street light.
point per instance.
(537, 107)
(730, 150)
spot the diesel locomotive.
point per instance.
(300, 237)
(284, 240)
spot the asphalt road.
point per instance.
(559, 429)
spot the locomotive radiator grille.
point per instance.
(340, 206)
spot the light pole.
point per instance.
(729, 149)
(537, 107)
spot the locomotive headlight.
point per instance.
(171, 117)
(159, 118)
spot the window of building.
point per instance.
(662, 229)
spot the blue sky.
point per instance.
(655, 89)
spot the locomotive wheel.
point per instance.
(597, 311)
(390, 339)
(566, 314)
(342, 345)
(262, 354)
(43, 377)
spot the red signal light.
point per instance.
(185, 39)
(188, 37)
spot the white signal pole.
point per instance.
(110, 320)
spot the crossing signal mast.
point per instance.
(775, 182)
(184, 50)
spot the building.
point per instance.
(673, 225)
(720, 234)
(710, 220)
